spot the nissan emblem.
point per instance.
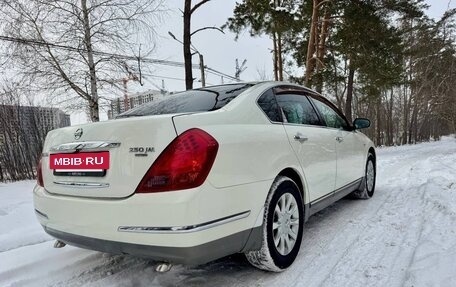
(78, 134)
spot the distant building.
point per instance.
(29, 120)
(117, 106)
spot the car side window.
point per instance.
(331, 117)
(268, 104)
(297, 109)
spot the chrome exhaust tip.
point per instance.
(59, 244)
(163, 267)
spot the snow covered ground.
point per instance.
(404, 236)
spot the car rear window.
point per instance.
(198, 100)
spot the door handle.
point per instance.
(299, 137)
(339, 139)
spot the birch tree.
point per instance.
(75, 50)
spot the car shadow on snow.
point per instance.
(234, 270)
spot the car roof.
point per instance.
(271, 83)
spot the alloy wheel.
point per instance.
(285, 225)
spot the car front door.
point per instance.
(313, 143)
(350, 160)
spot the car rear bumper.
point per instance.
(191, 226)
(194, 255)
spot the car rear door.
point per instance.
(313, 143)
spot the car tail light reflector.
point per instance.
(39, 173)
(185, 163)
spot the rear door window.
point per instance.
(297, 109)
(198, 100)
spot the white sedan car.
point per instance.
(205, 173)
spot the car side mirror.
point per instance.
(361, 123)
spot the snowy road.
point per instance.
(404, 236)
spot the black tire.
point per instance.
(269, 257)
(366, 190)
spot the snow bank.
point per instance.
(18, 226)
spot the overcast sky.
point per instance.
(220, 50)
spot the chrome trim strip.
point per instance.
(322, 198)
(82, 184)
(41, 214)
(84, 146)
(184, 229)
(353, 183)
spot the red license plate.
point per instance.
(92, 161)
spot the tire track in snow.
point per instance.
(375, 266)
(374, 233)
(382, 198)
(433, 260)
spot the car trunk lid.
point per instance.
(105, 159)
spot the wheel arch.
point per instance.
(293, 174)
(372, 151)
(296, 177)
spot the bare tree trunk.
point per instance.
(93, 105)
(379, 121)
(188, 11)
(405, 116)
(279, 58)
(187, 43)
(275, 57)
(413, 124)
(390, 132)
(310, 61)
(349, 99)
(321, 49)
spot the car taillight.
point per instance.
(39, 173)
(185, 163)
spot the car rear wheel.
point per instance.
(282, 227)
(368, 188)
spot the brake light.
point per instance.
(39, 173)
(185, 163)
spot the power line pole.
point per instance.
(201, 60)
(203, 76)
(240, 69)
